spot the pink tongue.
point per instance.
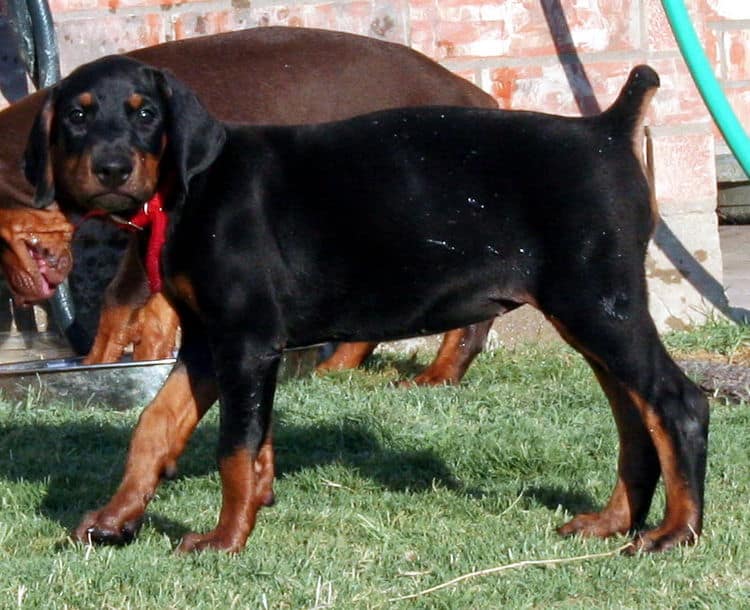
(45, 288)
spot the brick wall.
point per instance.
(564, 56)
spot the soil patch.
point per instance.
(721, 379)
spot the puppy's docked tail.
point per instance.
(628, 110)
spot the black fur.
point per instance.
(416, 221)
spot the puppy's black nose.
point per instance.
(113, 172)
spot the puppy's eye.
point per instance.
(145, 115)
(77, 116)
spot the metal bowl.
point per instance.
(121, 385)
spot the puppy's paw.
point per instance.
(95, 529)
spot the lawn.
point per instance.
(382, 492)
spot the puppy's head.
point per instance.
(108, 132)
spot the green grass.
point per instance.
(729, 341)
(381, 492)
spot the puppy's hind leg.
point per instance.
(662, 419)
(637, 468)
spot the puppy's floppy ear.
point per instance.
(195, 138)
(38, 158)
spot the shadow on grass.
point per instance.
(406, 366)
(574, 502)
(81, 464)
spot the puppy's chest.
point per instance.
(179, 257)
(211, 250)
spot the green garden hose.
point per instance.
(704, 78)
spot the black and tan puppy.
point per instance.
(384, 226)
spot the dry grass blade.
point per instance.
(510, 566)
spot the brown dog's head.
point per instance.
(106, 132)
(34, 252)
(34, 244)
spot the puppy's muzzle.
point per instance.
(112, 171)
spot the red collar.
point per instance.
(151, 215)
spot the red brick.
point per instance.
(121, 5)
(677, 101)
(659, 35)
(111, 6)
(503, 85)
(541, 88)
(465, 39)
(60, 6)
(611, 25)
(377, 18)
(684, 172)
(192, 24)
(478, 10)
(423, 10)
(86, 39)
(547, 88)
(739, 100)
(519, 28)
(726, 9)
(736, 44)
(357, 18)
(365, 18)
(312, 15)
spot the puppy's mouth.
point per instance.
(116, 202)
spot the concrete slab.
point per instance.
(735, 252)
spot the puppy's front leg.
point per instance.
(247, 383)
(158, 440)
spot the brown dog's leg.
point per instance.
(457, 352)
(158, 440)
(347, 356)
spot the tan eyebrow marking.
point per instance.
(135, 101)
